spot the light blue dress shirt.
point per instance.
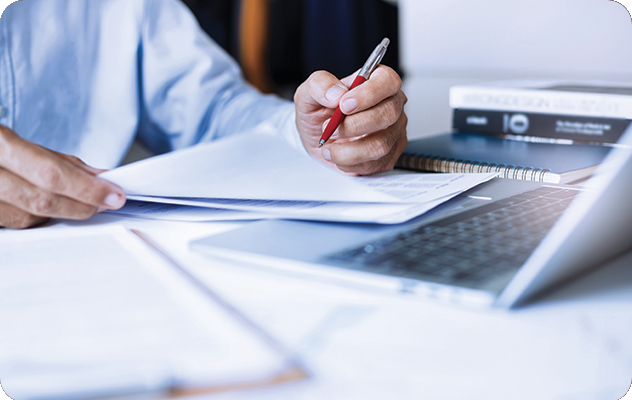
(87, 77)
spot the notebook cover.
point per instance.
(558, 158)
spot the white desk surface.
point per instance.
(574, 344)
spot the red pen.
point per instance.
(374, 59)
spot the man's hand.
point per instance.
(371, 137)
(37, 184)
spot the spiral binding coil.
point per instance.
(423, 162)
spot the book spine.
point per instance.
(429, 163)
(571, 127)
(541, 101)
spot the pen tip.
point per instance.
(385, 42)
(321, 143)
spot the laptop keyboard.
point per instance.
(466, 249)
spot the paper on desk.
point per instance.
(260, 167)
(435, 188)
(94, 311)
(177, 212)
(380, 213)
(261, 174)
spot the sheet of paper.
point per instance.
(177, 212)
(422, 192)
(422, 188)
(260, 174)
(380, 213)
(261, 167)
(94, 311)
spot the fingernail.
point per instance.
(335, 92)
(349, 105)
(114, 200)
(327, 154)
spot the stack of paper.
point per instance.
(263, 175)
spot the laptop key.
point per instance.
(473, 246)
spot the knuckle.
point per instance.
(21, 220)
(397, 81)
(75, 159)
(380, 148)
(345, 168)
(390, 113)
(314, 76)
(404, 119)
(370, 167)
(403, 143)
(384, 164)
(322, 75)
(42, 203)
(375, 93)
(392, 78)
(352, 127)
(404, 98)
(51, 176)
(319, 78)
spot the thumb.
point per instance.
(321, 89)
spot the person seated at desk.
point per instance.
(80, 80)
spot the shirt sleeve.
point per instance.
(191, 90)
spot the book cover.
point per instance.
(472, 152)
(580, 98)
(597, 130)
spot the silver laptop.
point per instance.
(500, 245)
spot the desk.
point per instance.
(574, 344)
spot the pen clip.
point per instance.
(374, 59)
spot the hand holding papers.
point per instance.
(252, 173)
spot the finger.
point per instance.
(374, 153)
(383, 83)
(321, 89)
(35, 201)
(14, 218)
(52, 173)
(377, 118)
(381, 165)
(80, 164)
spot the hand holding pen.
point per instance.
(365, 73)
(369, 115)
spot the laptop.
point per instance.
(498, 245)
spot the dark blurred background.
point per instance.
(279, 43)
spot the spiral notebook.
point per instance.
(463, 152)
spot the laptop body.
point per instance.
(500, 244)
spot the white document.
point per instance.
(422, 192)
(178, 212)
(94, 311)
(380, 213)
(261, 174)
(260, 167)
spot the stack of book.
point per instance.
(567, 112)
(549, 131)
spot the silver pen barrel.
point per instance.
(374, 59)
